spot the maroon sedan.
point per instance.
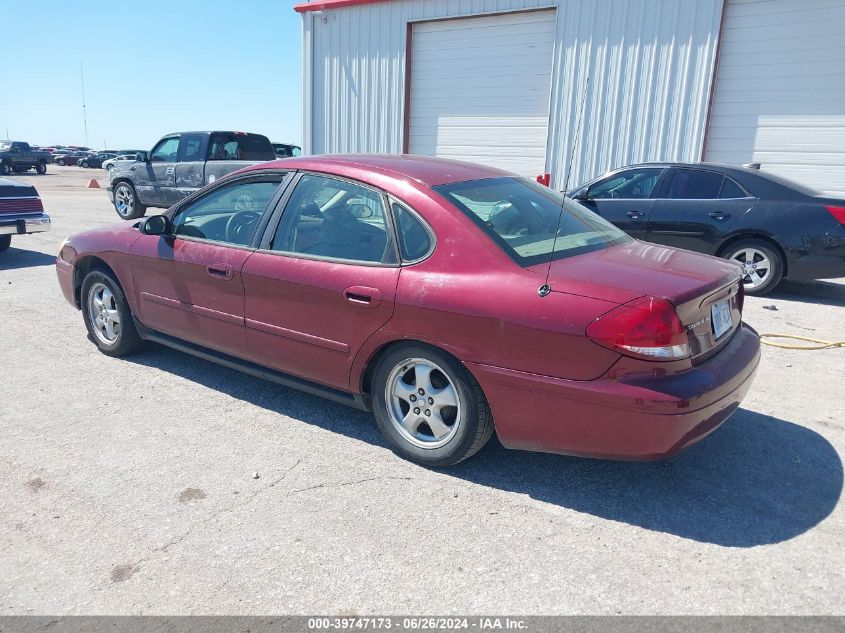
(421, 289)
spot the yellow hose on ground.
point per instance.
(817, 343)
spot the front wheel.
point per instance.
(107, 315)
(41, 168)
(428, 407)
(61, 162)
(5, 169)
(5, 242)
(762, 265)
(126, 202)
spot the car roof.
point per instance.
(427, 170)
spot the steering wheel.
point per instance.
(240, 226)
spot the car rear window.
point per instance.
(235, 146)
(530, 222)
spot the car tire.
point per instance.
(82, 163)
(5, 242)
(107, 315)
(126, 202)
(5, 169)
(437, 433)
(61, 162)
(762, 265)
(41, 168)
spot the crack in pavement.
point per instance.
(349, 483)
(205, 521)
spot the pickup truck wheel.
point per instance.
(41, 168)
(5, 169)
(5, 242)
(126, 202)
(107, 315)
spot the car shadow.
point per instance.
(757, 480)
(818, 292)
(15, 258)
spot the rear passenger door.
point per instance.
(696, 209)
(624, 198)
(190, 168)
(323, 281)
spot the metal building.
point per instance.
(542, 86)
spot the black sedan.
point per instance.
(774, 228)
(95, 160)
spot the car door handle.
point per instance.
(718, 215)
(220, 271)
(362, 295)
(634, 214)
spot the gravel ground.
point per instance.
(126, 485)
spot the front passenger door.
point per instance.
(624, 198)
(189, 283)
(155, 180)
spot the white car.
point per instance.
(111, 163)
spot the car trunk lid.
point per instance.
(16, 198)
(705, 291)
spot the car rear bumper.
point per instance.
(640, 417)
(23, 224)
(816, 257)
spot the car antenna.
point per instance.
(545, 289)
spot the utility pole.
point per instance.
(84, 115)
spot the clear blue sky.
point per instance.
(150, 68)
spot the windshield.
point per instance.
(523, 217)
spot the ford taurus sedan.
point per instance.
(452, 300)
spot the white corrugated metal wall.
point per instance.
(780, 90)
(649, 62)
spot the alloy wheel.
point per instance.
(423, 403)
(124, 200)
(756, 266)
(103, 313)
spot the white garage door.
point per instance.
(480, 89)
(780, 90)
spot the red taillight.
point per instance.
(645, 328)
(838, 213)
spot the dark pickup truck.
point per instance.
(18, 157)
(180, 164)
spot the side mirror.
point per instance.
(581, 196)
(155, 225)
(142, 157)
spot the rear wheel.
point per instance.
(762, 265)
(107, 315)
(5, 169)
(61, 162)
(41, 168)
(428, 407)
(126, 202)
(5, 242)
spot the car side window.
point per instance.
(166, 151)
(629, 184)
(229, 214)
(414, 240)
(731, 190)
(191, 148)
(337, 219)
(695, 184)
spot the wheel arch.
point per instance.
(364, 382)
(750, 235)
(84, 266)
